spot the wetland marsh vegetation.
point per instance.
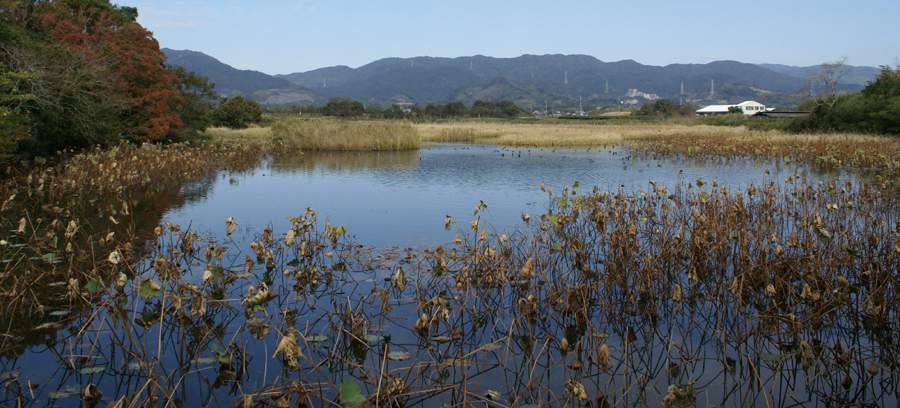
(772, 291)
(149, 259)
(873, 154)
(869, 154)
(339, 135)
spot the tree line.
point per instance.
(876, 109)
(665, 108)
(80, 73)
(350, 108)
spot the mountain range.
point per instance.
(852, 75)
(532, 81)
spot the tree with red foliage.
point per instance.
(103, 32)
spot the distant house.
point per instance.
(405, 107)
(748, 108)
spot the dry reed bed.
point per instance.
(456, 135)
(879, 155)
(561, 135)
(752, 297)
(873, 155)
(252, 135)
(345, 135)
(870, 154)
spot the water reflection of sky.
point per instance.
(401, 198)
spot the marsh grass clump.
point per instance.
(255, 135)
(555, 134)
(345, 135)
(460, 135)
(871, 155)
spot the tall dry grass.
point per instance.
(452, 134)
(251, 135)
(342, 135)
(563, 135)
(877, 154)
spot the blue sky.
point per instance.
(283, 36)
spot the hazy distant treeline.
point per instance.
(349, 108)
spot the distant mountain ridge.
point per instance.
(228, 80)
(853, 75)
(532, 81)
(553, 77)
(231, 81)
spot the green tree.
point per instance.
(455, 109)
(665, 107)
(502, 109)
(343, 107)
(15, 96)
(237, 112)
(196, 110)
(874, 110)
(72, 102)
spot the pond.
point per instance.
(402, 198)
(337, 279)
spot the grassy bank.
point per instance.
(335, 135)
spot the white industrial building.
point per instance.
(746, 107)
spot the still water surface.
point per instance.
(402, 198)
(396, 199)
